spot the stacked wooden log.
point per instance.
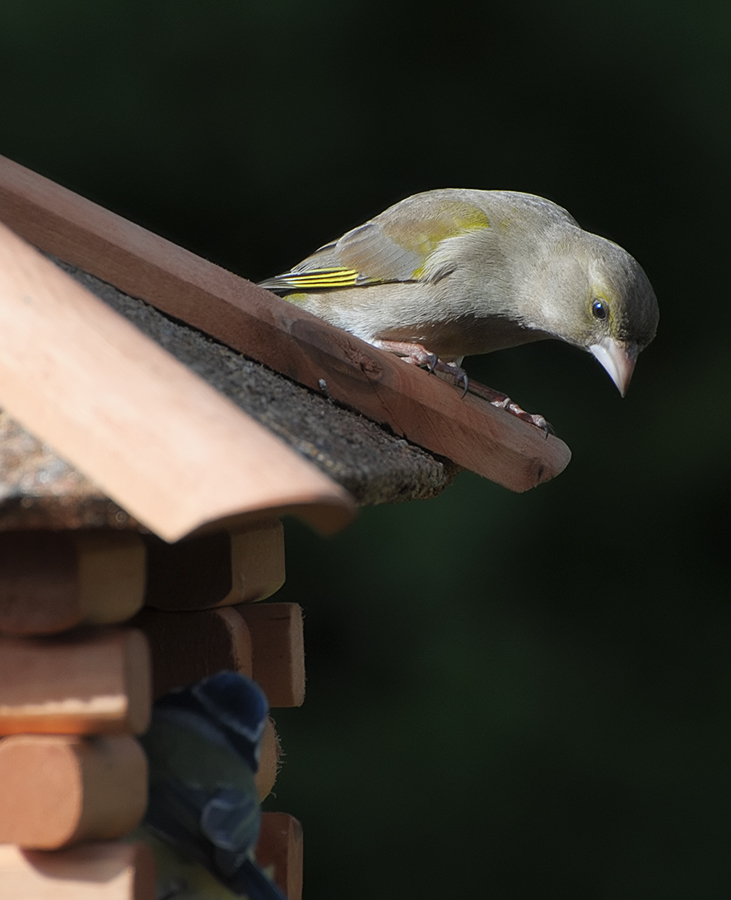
(94, 626)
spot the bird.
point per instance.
(203, 814)
(455, 272)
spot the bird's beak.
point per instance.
(618, 358)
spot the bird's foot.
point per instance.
(502, 401)
(418, 355)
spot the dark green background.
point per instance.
(510, 696)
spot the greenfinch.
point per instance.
(455, 272)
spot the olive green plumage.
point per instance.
(454, 272)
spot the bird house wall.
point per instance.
(82, 656)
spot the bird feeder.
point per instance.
(158, 417)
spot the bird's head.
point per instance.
(594, 295)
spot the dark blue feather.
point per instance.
(203, 751)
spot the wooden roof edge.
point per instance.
(326, 514)
(151, 434)
(421, 408)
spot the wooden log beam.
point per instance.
(59, 789)
(278, 649)
(219, 569)
(95, 871)
(52, 581)
(280, 850)
(95, 682)
(262, 641)
(188, 646)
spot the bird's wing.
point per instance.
(394, 246)
(174, 813)
(230, 820)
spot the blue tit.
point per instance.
(450, 273)
(203, 815)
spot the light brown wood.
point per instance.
(420, 407)
(268, 760)
(218, 569)
(280, 851)
(58, 790)
(153, 435)
(278, 648)
(54, 581)
(111, 576)
(83, 683)
(95, 871)
(188, 646)
(257, 562)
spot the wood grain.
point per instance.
(188, 646)
(413, 404)
(257, 562)
(58, 790)
(95, 871)
(52, 581)
(278, 650)
(86, 682)
(156, 438)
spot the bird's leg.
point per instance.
(502, 401)
(418, 355)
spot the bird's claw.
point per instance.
(532, 418)
(418, 355)
(502, 401)
(454, 372)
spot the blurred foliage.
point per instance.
(509, 696)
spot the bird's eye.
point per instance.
(599, 309)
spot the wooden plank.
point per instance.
(154, 436)
(51, 581)
(188, 646)
(422, 408)
(87, 682)
(58, 790)
(280, 851)
(95, 871)
(278, 649)
(219, 569)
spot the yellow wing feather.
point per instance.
(314, 279)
